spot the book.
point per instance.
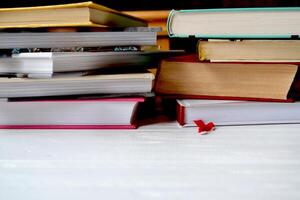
(185, 77)
(283, 51)
(74, 14)
(114, 113)
(224, 112)
(51, 62)
(76, 85)
(76, 39)
(280, 22)
(155, 18)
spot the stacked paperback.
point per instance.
(78, 65)
(245, 71)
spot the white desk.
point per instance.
(153, 162)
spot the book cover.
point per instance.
(188, 78)
(109, 113)
(76, 85)
(225, 112)
(280, 51)
(47, 40)
(235, 23)
(74, 14)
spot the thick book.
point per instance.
(280, 22)
(74, 14)
(186, 77)
(76, 85)
(283, 51)
(114, 113)
(51, 62)
(223, 112)
(76, 39)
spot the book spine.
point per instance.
(184, 96)
(132, 126)
(180, 110)
(119, 99)
(201, 51)
(169, 23)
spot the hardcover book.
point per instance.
(185, 77)
(281, 51)
(74, 14)
(76, 39)
(224, 112)
(76, 85)
(280, 22)
(51, 62)
(114, 113)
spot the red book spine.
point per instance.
(180, 114)
(132, 126)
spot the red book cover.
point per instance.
(68, 127)
(180, 114)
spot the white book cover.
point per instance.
(69, 114)
(77, 85)
(77, 39)
(223, 112)
(52, 62)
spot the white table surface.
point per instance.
(159, 161)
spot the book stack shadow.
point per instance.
(81, 65)
(245, 70)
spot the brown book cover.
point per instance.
(279, 51)
(185, 77)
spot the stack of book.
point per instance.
(78, 65)
(246, 70)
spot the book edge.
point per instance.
(180, 110)
(131, 126)
(179, 96)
